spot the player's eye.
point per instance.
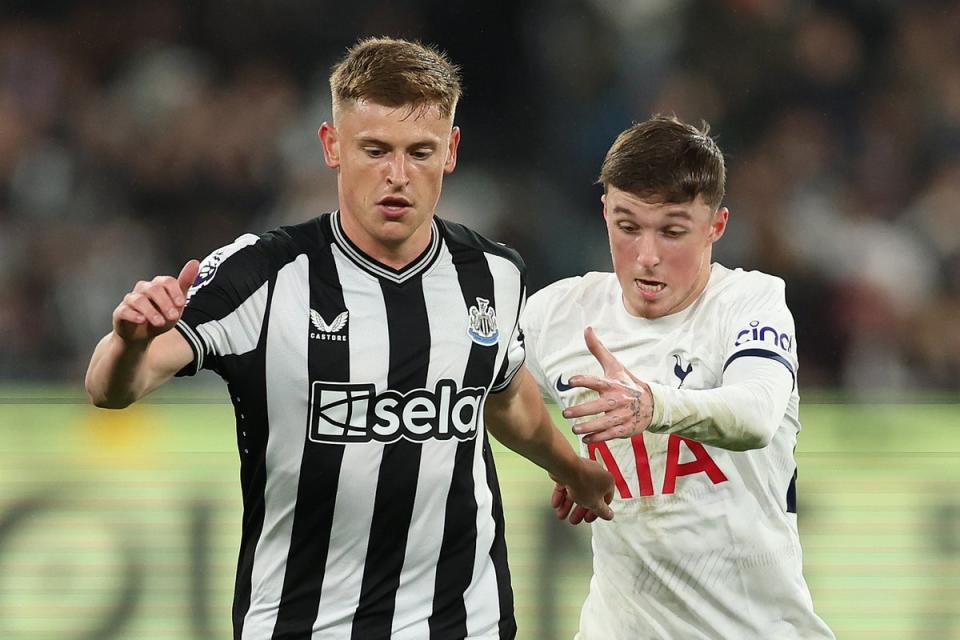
(374, 152)
(421, 154)
(674, 232)
(627, 228)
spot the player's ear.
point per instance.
(603, 199)
(450, 163)
(331, 145)
(719, 223)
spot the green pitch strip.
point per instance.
(125, 525)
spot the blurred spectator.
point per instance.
(123, 123)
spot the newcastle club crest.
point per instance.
(483, 323)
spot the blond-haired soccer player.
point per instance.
(691, 405)
(366, 352)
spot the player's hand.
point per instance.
(625, 405)
(590, 490)
(153, 307)
(566, 509)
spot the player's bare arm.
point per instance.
(518, 418)
(625, 405)
(141, 353)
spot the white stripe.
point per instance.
(198, 346)
(239, 332)
(353, 513)
(287, 402)
(449, 352)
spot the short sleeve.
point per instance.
(531, 323)
(759, 325)
(225, 304)
(516, 348)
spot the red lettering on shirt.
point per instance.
(703, 463)
(611, 464)
(643, 465)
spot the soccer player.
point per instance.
(366, 353)
(693, 408)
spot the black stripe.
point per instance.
(458, 548)
(464, 238)
(409, 333)
(248, 395)
(763, 353)
(498, 551)
(459, 234)
(792, 493)
(327, 360)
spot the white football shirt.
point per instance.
(704, 544)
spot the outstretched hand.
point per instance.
(154, 307)
(625, 406)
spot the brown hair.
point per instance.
(396, 73)
(666, 160)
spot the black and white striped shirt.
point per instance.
(371, 503)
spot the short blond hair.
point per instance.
(396, 73)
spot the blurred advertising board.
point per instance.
(123, 525)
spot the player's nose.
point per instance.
(648, 253)
(397, 170)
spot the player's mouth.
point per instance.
(649, 289)
(394, 206)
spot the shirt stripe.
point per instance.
(249, 397)
(455, 568)
(763, 353)
(287, 404)
(369, 343)
(327, 361)
(448, 360)
(399, 468)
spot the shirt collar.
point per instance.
(376, 268)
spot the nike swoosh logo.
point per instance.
(561, 387)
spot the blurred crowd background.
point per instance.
(137, 134)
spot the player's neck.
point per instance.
(697, 290)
